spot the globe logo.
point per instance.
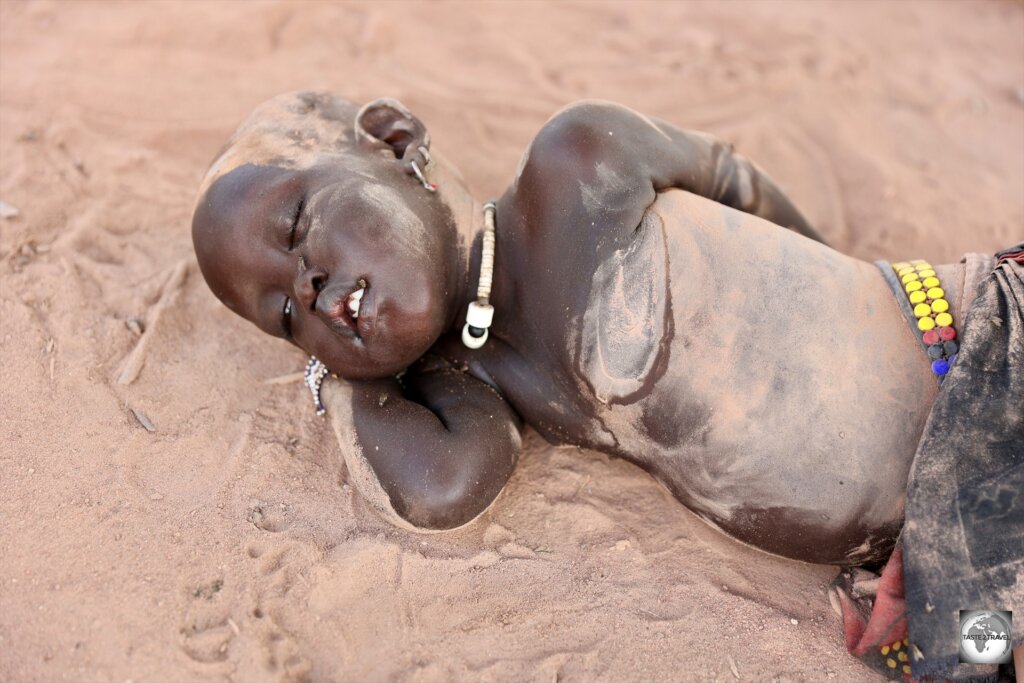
(985, 637)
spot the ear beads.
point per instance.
(480, 313)
(427, 185)
(314, 376)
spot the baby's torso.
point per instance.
(616, 348)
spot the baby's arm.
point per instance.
(593, 139)
(431, 455)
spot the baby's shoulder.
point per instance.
(586, 158)
(580, 132)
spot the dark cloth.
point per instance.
(963, 541)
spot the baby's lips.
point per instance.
(330, 306)
(367, 313)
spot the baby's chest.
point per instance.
(602, 339)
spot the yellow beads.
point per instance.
(930, 307)
(898, 659)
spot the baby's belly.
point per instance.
(798, 501)
(741, 454)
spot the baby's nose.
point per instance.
(308, 284)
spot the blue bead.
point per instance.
(940, 367)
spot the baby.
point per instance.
(631, 292)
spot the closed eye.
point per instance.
(293, 239)
(293, 236)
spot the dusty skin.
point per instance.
(650, 306)
(224, 545)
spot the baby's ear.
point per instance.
(385, 124)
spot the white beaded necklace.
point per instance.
(480, 313)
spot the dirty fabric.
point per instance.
(876, 631)
(964, 536)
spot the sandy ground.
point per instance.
(223, 543)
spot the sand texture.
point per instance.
(170, 513)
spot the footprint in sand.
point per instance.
(281, 652)
(208, 629)
(207, 644)
(267, 516)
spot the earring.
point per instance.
(315, 373)
(425, 153)
(427, 185)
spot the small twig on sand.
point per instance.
(285, 379)
(51, 344)
(136, 359)
(586, 480)
(732, 667)
(144, 420)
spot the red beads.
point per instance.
(947, 333)
(931, 337)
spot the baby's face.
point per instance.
(320, 241)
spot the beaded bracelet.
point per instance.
(931, 309)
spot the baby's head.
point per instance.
(310, 225)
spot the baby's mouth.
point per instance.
(354, 300)
(342, 312)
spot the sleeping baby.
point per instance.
(638, 290)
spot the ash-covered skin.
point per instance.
(769, 382)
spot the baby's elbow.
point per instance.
(443, 505)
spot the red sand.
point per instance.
(225, 544)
